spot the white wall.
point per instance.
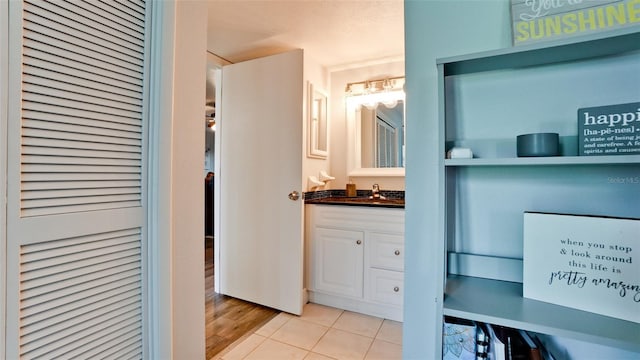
(187, 190)
(317, 75)
(433, 29)
(338, 140)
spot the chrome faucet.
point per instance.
(375, 192)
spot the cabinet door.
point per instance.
(338, 259)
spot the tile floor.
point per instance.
(321, 333)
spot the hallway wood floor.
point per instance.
(227, 318)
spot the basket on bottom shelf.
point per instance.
(469, 340)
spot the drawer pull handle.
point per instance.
(397, 252)
(359, 242)
(396, 289)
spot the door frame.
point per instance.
(175, 273)
(158, 319)
(216, 182)
(216, 63)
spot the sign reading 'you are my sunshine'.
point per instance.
(583, 262)
(539, 20)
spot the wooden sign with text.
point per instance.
(540, 20)
(583, 262)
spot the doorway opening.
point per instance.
(227, 319)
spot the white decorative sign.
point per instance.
(538, 20)
(583, 262)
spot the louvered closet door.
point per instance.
(76, 153)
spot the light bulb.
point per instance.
(370, 105)
(390, 103)
(386, 85)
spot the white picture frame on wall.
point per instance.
(318, 123)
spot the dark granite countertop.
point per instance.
(357, 201)
(391, 198)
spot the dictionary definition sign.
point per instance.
(609, 130)
(540, 20)
(583, 262)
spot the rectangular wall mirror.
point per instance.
(382, 136)
(318, 123)
(375, 124)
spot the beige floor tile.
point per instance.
(274, 324)
(287, 336)
(390, 331)
(303, 334)
(272, 350)
(320, 314)
(244, 348)
(382, 350)
(314, 356)
(358, 323)
(343, 345)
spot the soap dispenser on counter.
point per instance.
(351, 189)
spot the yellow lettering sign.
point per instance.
(537, 26)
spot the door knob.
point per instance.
(294, 195)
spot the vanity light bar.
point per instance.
(375, 86)
(370, 93)
(371, 100)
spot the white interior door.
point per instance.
(261, 238)
(75, 184)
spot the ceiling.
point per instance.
(331, 32)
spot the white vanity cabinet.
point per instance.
(355, 257)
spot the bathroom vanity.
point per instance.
(355, 257)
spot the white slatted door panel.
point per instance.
(63, 300)
(76, 179)
(65, 111)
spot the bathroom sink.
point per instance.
(358, 201)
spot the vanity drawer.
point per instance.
(386, 286)
(386, 251)
(357, 217)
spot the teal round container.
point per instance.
(538, 144)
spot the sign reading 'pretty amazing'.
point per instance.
(583, 262)
(538, 20)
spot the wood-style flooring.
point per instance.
(227, 318)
